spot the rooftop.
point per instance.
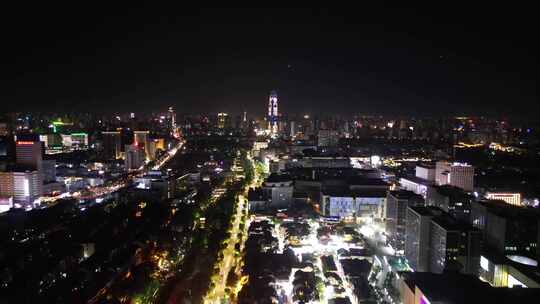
(426, 165)
(344, 192)
(278, 178)
(464, 289)
(451, 191)
(449, 223)
(426, 210)
(506, 210)
(418, 180)
(447, 287)
(405, 194)
(361, 180)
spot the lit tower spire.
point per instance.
(273, 112)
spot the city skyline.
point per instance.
(153, 155)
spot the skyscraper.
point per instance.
(462, 176)
(112, 144)
(172, 119)
(417, 237)
(396, 209)
(29, 154)
(273, 112)
(222, 120)
(134, 156)
(456, 174)
(142, 139)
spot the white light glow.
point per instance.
(484, 263)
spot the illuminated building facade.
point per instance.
(417, 237)
(435, 242)
(512, 198)
(142, 139)
(426, 172)
(23, 186)
(273, 113)
(351, 204)
(508, 229)
(172, 119)
(459, 175)
(29, 154)
(396, 209)
(222, 120)
(79, 140)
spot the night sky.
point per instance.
(436, 60)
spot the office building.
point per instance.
(396, 209)
(442, 169)
(454, 245)
(279, 189)
(135, 157)
(426, 172)
(512, 198)
(417, 185)
(462, 176)
(23, 186)
(112, 144)
(435, 242)
(327, 138)
(417, 236)
(451, 199)
(152, 149)
(142, 139)
(508, 229)
(49, 170)
(29, 154)
(222, 120)
(459, 175)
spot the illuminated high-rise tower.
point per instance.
(172, 118)
(273, 112)
(142, 139)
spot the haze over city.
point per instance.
(269, 155)
(373, 59)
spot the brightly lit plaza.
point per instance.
(337, 262)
